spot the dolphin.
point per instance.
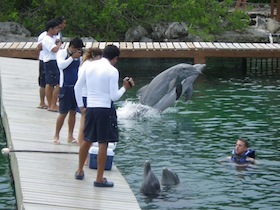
(150, 184)
(169, 177)
(170, 85)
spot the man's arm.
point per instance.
(78, 89)
(250, 160)
(63, 63)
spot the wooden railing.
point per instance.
(199, 51)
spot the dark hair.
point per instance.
(76, 43)
(244, 141)
(60, 20)
(111, 51)
(51, 24)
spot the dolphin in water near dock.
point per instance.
(169, 177)
(170, 85)
(150, 184)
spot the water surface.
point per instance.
(192, 136)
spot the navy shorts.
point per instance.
(42, 75)
(101, 125)
(67, 100)
(52, 73)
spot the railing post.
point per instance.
(199, 60)
(278, 11)
(271, 9)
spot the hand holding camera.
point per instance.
(128, 82)
(58, 42)
(77, 54)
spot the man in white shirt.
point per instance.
(102, 82)
(50, 48)
(68, 61)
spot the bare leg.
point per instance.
(101, 161)
(54, 98)
(49, 92)
(71, 124)
(81, 132)
(42, 97)
(83, 153)
(81, 129)
(59, 124)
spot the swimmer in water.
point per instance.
(242, 154)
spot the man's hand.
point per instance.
(77, 54)
(128, 82)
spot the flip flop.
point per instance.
(105, 183)
(57, 142)
(50, 110)
(42, 107)
(74, 141)
(81, 176)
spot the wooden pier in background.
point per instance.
(198, 51)
(45, 181)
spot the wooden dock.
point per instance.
(46, 181)
(199, 51)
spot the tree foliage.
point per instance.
(108, 20)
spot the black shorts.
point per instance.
(52, 73)
(67, 100)
(42, 75)
(101, 125)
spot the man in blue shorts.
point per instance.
(102, 82)
(68, 61)
(50, 47)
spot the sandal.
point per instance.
(74, 141)
(105, 183)
(79, 176)
(57, 142)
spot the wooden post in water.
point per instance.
(244, 65)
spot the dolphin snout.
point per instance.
(199, 67)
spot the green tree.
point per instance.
(108, 20)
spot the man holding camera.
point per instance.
(68, 62)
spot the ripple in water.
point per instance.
(190, 137)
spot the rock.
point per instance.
(250, 35)
(135, 34)
(261, 23)
(176, 30)
(7, 28)
(158, 31)
(272, 25)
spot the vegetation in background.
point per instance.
(108, 20)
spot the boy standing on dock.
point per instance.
(50, 48)
(68, 61)
(102, 82)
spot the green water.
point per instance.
(192, 136)
(7, 198)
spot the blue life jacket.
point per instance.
(242, 159)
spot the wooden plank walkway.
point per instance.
(199, 51)
(46, 181)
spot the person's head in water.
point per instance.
(241, 146)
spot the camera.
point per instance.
(81, 52)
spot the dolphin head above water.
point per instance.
(169, 177)
(150, 184)
(170, 85)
